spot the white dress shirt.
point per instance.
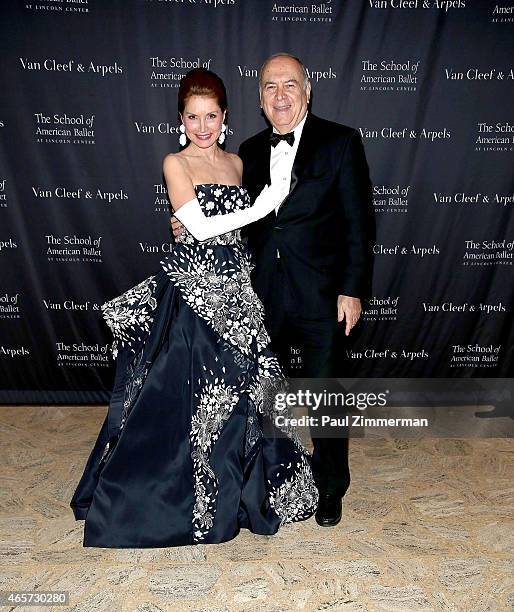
(281, 161)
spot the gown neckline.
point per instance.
(217, 184)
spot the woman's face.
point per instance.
(202, 118)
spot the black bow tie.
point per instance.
(275, 138)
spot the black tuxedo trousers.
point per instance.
(318, 344)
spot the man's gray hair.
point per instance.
(290, 56)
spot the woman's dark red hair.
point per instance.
(201, 82)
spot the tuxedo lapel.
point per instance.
(262, 154)
(303, 155)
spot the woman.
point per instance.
(182, 457)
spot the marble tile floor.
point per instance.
(428, 525)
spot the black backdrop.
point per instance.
(88, 111)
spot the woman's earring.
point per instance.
(221, 137)
(182, 139)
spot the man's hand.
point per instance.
(176, 226)
(349, 308)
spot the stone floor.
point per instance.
(428, 525)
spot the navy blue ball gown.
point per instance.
(183, 456)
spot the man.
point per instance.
(312, 254)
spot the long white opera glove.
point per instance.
(201, 227)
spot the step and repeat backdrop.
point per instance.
(89, 109)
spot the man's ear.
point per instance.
(309, 88)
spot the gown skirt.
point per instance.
(189, 451)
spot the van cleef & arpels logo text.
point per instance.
(440, 5)
(70, 65)
(315, 74)
(77, 194)
(405, 133)
(195, 3)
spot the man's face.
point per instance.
(284, 98)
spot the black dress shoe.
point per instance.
(329, 510)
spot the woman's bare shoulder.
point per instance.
(175, 168)
(174, 160)
(176, 172)
(237, 161)
(178, 180)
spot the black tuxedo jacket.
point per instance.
(324, 229)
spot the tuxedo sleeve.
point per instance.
(356, 199)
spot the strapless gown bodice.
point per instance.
(218, 199)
